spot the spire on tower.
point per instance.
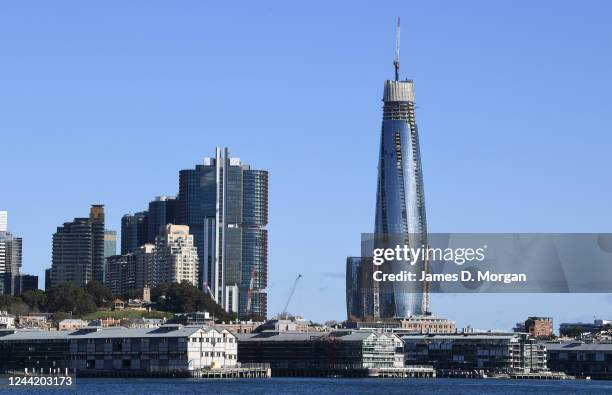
(396, 62)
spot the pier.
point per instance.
(541, 376)
(407, 372)
(249, 371)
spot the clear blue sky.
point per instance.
(106, 102)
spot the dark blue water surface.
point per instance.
(298, 386)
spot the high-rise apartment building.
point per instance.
(10, 262)
(78, 250)
(400, 202)
(225, 205)
(3, 221)
(134, 231)
(175, 257)
(130, 272)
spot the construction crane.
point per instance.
(250, 292)
(284, 313)
(396, 61)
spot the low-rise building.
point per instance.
(106, 322)
(70, 324)
(40, 321)
(143, 322)
(291, 324)
(539, 327)
(7, 321)
(492, 352)
(169, 348)
(242, 327)
(427, 324)
(575, 329)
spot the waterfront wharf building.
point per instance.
(490, 352)
(582, 360)
(321, 353)
(118, 350)
(78, 250)
(225, 205)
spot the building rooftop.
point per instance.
(341, 335)
(577, 346)
(457, 336)
(103, 333)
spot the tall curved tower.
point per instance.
(400, 200)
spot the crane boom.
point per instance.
(396, 61)
(284, 313)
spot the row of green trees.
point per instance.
(68, 299)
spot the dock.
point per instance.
(255, 371)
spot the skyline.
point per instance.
(137, 95)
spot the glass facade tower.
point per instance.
(225, 205)
(400, 200)
(400, 213)
(134, 231)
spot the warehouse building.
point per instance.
(169, 348)
(492, 352)
(320, 353)
(578, 359)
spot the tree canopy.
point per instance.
(185, 298)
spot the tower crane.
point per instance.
(396, 61)
(250, 292)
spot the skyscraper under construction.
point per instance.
(400, 206)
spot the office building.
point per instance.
(491, 352)
(10, 258)
(175, 257)
(134, 231)
(110, 243)
(162, 211)
(78, 250)
(225, 205)
(354, 289)
(25, 283)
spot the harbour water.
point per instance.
(280, 386)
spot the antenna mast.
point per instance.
(396, 62)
